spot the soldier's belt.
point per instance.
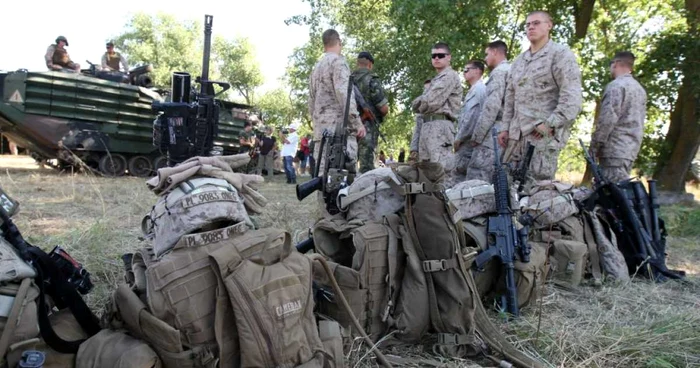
(434, 117)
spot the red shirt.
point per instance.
(305, 146)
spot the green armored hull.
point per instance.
(80, 119)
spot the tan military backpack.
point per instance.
(213, 292)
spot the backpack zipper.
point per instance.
(261, 327)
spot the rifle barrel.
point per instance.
(208, 21)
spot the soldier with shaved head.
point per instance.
(618, 131)
(542, 100)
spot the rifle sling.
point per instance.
(62, 293)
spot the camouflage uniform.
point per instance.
(618, 132)
(482, 160)
(468, 119)
(438, 105)
(328, 86)
(542, 88)
(370, 87)
(416, 133)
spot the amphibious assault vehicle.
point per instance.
(96, 120)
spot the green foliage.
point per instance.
(400, 34)
(174, 45)
(276, 108)
(235, 60)
(164, 41)
(682, 221)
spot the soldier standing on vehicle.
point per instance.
(468, 119)
(57, 58)
(439, 105)
(481, 163)
(617, 135)
(371, 89)
(111, 59)
(542, 100)
(328, 86)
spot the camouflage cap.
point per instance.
(365, 55)
(197, 205)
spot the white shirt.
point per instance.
(290, 149)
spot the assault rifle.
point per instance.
(339, 170)
(505, 242)
(185, 129)
(365, 110)
(58, 276)
(648, 253)
(520, 172)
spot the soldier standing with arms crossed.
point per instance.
(542, 100)
(618, 130)
(371, 89)
(439, 105)
(481, 163)
(328, 85)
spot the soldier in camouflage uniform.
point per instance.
(439, 105)
(543, 97)
(618, 131)
(468, 119)
(481, 163)
(413, 148)
(371, 89)
(328, 86)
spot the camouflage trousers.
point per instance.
(481, 164)
(435, 145)
(367, 148)
(319, 158)
(545, 158)
(615, 169)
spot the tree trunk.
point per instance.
(583, 14)
(588, 174)
(683, 140)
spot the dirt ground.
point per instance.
(634, 325)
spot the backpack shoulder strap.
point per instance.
(592, 247)
(392, 222)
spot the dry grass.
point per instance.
(636, 325)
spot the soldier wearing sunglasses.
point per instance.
(439, 107)
(543, 98)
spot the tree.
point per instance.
(676, 56)
(172, 45)
(236, 63)
(165, 42)
(276, 108)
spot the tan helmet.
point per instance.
(61, 38)
(197, 205)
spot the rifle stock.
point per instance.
(365, 110)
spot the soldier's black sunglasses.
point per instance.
(440, 55)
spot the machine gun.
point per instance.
(505, 242)
(640, 249)
(339, 170)
(137, 76)
(185, 129)
(58, 276)
(365, 110)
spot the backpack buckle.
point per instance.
(414, 188)
(435, 265)
(453, 339)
